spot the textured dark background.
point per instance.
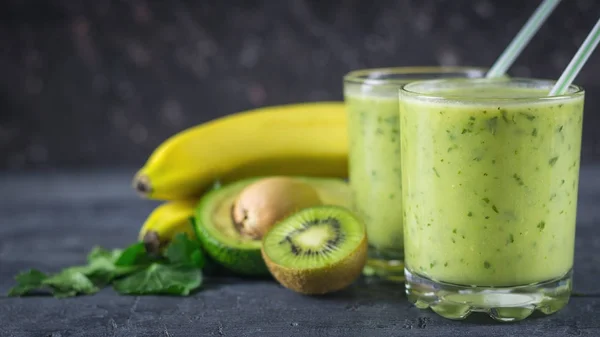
(101, 83)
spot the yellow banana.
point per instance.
(308, 139)
(166, 221)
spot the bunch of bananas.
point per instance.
(307, 139)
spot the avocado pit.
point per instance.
(262, 204)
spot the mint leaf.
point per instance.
(27, 282)
(131, 271)
(100, 271)
(134, 255)
(32, 276)
(184, 251)
(100, 253)
(67, 283)
(104, 266)
(178, 275)
(161, 279)
(70, 282)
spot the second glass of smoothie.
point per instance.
(371, 97)
(490, 177)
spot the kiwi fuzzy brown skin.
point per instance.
(323, 280)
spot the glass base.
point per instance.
(504, 304)
(387, 266)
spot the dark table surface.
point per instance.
(51, 220)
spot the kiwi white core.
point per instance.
(315, 237)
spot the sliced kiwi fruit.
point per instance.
(317, 250)
(222, 237)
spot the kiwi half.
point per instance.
(317, 250)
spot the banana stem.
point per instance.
(152, 243)
(141, 184)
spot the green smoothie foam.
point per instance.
(490, 189)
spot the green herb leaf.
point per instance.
(101, 269)
(518, 179)
(492, 125)
(70, 282)
(541, 225)
(161, 279)
(27, 282)
(184, 251)
(527, 115)
(101, 253)
(134, 255)
(131, 271)
(504, 115)
(104, 266)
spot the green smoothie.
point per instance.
(374, 171)
(490, 184)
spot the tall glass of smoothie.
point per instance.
(490, 173)
(371, 97)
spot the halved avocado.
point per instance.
(220, 237)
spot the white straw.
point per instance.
(520, 41)
(582, 55)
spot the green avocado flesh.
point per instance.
(221, 239)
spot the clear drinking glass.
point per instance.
(490, 173)
(371, 97)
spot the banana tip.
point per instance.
(142, 185)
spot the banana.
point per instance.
(307, 139)
(166, 221)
